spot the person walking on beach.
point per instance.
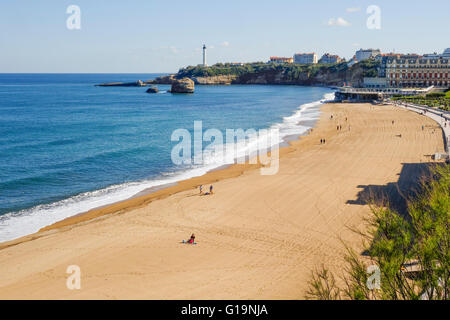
(211, 189)
(201, 189)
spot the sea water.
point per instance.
(67, 146)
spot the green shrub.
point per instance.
(435, 95)
(423, 237)
(291, 72)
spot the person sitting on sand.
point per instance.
(192, 239)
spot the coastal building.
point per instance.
(370, 94)
(383, 58)
(281, 60)
(411, 71)
(328, 58)
(446, 53)
(377, 82)
(305, 58)
(365, 54)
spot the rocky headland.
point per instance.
(330, 75)
(272, 74)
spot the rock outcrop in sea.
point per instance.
(152, 90)
(138, 83)
(184, 85)
(162, 80)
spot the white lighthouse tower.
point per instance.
(204, 56)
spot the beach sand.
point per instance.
(259, 237)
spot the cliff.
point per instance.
(276, 74)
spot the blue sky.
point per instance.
(146, 36)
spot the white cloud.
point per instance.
(339, 22)
(225, 44)
(352, 10)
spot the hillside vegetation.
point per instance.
(271, 73)
(439, 100)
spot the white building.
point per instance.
(375, 82)
(446, 53)
(305, 58)
(364, 54)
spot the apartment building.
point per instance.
(305, 58)
(328, 58)
(365, 54)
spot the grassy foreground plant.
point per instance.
(411, 254)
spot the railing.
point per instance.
(388, 91)
(425, 109)
(441, 113)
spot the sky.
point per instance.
(147, 36)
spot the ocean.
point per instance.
(67, 146)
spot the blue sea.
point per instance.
(67, 146)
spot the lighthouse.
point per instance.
(204, 56)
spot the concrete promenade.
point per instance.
(440, 116)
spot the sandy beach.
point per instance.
(259, 237)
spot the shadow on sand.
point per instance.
(395, 195)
